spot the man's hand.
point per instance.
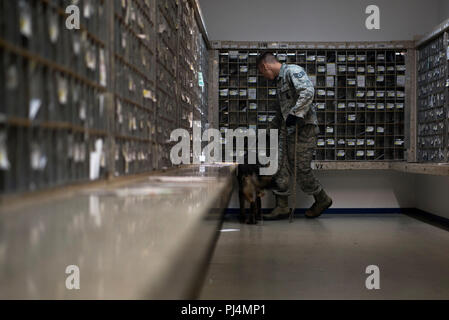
(292, 121)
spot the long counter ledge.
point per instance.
(147, 240)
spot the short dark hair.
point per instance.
(266, 56)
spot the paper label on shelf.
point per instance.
(360, 153)
(321, 106)
(330, 81)
(103, 72)
(371, 106)
(282, 57)
(370, 142)
(272, 92)
(233, 54)
(252, 79)
(311, 58)
(38, 158)
(321, 69)
(380, 130)
(243, 92)
(331, 70)
(351, 142)
(351, 82)
(400, 81)
(329, 130)
(4, 161)
(361, 105)
(351, 117)
(341, 58)
(253, 106)
(399, 106)
(62, 90)
(351, 104)
(341, 142)
(95, 159)
(320, 142)
(341, 105)
(35, 105)
(330, 142)
(360, 142)
(361, 81)
(380, 106)
(200, 79)
(25, 17)
(370, 153)
(341, 153)
(252, 94)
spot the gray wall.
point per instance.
(319, 20)
(444, 10)
(357, 189)
(432, 194)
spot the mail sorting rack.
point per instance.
(433, 84)
(359, 98)
(52, 95)
(203, 82)
(135, 93)
(186, 65)
(80, 105)
(166, 86)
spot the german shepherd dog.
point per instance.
(251, 189)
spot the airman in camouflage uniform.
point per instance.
(295, 93)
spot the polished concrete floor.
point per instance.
(327, 259)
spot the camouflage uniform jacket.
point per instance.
(296, 93)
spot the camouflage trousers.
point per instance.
(307, 139)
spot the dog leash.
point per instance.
(292, 210)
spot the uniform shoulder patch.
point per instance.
(298, 74)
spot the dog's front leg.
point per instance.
(258, 208)
(252, 216)
(242, 207)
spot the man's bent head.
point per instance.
(268, 65)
